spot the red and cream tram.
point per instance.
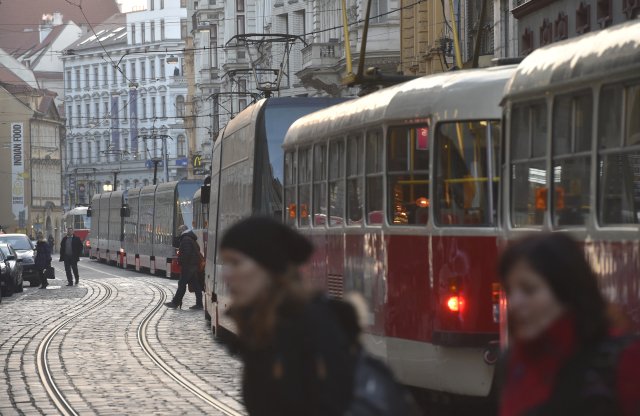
(572, 160)
(398, 191)
(80, 219)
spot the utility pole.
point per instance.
(155, 161)
(165, 160)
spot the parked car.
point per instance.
(10, 270)
(26, 252)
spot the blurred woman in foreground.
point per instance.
(563, 359)
(298, 358)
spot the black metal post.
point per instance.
(155, 171)
(115, 180)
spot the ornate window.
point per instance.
(583, 18)
(631, 8)
(180, 106)
(604, 13)
(182, 146)
(546, 33)
(527, 41)
(561, 26)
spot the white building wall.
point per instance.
(90, 133)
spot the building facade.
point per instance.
(222, 83)
(541, 22)
(125, 103)
(427, 33)
(30, 141)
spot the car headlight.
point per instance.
(28, 260)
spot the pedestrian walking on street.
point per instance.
(70, 251)
(43, 259)
(51, 242)
(298, 359)
(189, 260)
(564, 357)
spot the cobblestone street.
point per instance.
(109, 347)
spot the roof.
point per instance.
(20, 15)
(596, 54)
(462, 95)
(51, 37)
(112, 31)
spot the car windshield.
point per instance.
(17, 242)
(5, 250)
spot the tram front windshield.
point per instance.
(184, 204)
(278, 119)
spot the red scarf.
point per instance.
(533, 366)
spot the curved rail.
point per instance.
(168, 370)
(42, 360)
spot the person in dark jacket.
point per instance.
(43, 259)
(298, 358)
(70, 252)
(189, 260)
(565, 357)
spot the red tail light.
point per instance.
(454, 300)
(455, 303)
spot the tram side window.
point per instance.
(572, 119)
(408, 175)
(355, 186)
(465, 171)
(528, 168)
(619, 155)
(336, 182)
(319, 184)
(290, 187)
(304, 186)
(373, 180)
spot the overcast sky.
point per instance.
(128, 5)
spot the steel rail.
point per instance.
(143, 341)
(42, 360)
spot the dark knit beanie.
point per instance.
(270, 243)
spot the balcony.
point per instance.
(321, 55)
(178, 81)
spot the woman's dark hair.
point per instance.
(562, 263)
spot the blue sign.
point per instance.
(183, 161)
(149, 164)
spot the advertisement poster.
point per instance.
(17, 173)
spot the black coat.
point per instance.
(188, 250)
(43, 255)
(307, 370)
(76, 245)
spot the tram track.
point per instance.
(142, 335)
(143, 341)
(42, 357)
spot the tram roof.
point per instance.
(77, 211)
(593, 55)
(462, 95)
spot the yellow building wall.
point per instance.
(421, 28)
